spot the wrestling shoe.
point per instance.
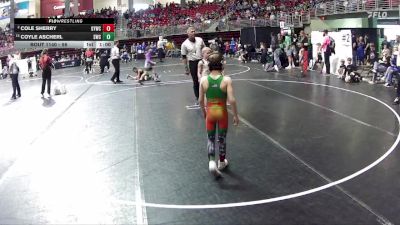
(396, 101)
(222, 165)
(212, 167)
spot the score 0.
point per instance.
(108, 36)
(108, 32)
(108, 27)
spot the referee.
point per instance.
(191, 51)
(115, 60)
(160, 48)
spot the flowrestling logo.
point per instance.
(377, 14)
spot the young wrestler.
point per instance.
(342, 69)
(352, 76)
(217, 89)
(143, 75)
(203, 63)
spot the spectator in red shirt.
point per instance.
(327, 51)
(89, 57)
(45, 64)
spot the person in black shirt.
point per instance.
(57, 57)
(221, 46)
(264, 51)
(14, 71)
(351, 74)
(373, 60)
(104, 61)
(251, 51)
(349, 68)
(30, 70)
(366, 39)
(37, 63)
(243, 54)
(386, 42)
(354, 45)
(269, 66)
(368, 51)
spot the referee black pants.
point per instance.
(193, 65)
(15, 85)
(46, 78)
(160, 54)
(115, 77)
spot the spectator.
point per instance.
(393, 69)
(290, 52)
(327, 51)
(45, 65)
(89, 57)
(14, 71)
(133, 51)
(264, 54)
(360, 51)
(386, 53)
(385, 42)
(232, 48)
(354, 48)
(274, 42)
(57, 57)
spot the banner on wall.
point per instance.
(5, 12)
(21, 9)
(23, 65)
(56, 7)
(343, 46)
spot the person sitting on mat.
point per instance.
(351, 74)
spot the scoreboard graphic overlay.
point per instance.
(64, 33)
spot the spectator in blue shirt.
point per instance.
(232, 48)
